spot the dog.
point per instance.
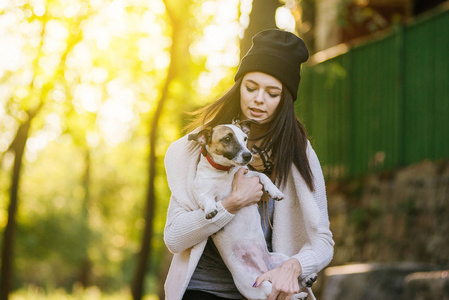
(241, 243)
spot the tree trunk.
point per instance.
(86, 264)
(307, 27)
(145, 251)
(18, 146)
(261, 17)
(166, 258)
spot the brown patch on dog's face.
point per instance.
(224, 142)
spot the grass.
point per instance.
(91, 293)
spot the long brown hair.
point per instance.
(286, 137)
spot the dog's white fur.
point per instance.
(241, 243)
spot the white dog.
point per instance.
(241, 243)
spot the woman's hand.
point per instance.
(245, 191)
(284, 280)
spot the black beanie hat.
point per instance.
(277, 53)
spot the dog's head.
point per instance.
(226, 144)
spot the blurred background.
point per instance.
(93, 92)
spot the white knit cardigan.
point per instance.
(300, 221)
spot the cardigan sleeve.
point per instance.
(186, 225)
(316, 256)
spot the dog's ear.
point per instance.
(245, 125)
(203, 137)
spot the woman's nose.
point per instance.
(259, 96)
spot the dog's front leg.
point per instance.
(207, 202)
(268, 185)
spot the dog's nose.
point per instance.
(247, 156)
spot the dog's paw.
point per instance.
(278, 198)
(211, 214)
(275, 194)
(300, 296)
(310, 280)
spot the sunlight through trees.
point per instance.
(80, 83)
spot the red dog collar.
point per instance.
(214, 164)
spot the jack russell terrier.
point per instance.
(241, 243)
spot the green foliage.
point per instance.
(95, 70)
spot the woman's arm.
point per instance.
(185, 229)
(315, 257)
(312, 258)
(186, 225)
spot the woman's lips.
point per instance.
(255, 112)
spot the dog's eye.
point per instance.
(245, 139)
(227, 139)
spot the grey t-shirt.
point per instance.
(211, 274)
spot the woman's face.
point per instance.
(260, 95)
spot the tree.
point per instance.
(306, 28)
(179, 31)
(262, 17)
(18, 146)
(36, 101)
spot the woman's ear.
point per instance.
(246, 125)
(203, 137)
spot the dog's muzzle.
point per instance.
(247, 156)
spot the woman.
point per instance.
(265, 89)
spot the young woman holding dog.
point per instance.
(265, 90)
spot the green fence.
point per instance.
(383, 104)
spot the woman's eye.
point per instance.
(273, 95)
(250, 89)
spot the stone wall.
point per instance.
(388, 218)
(427, 285)
(392, 217)
(382, 281)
